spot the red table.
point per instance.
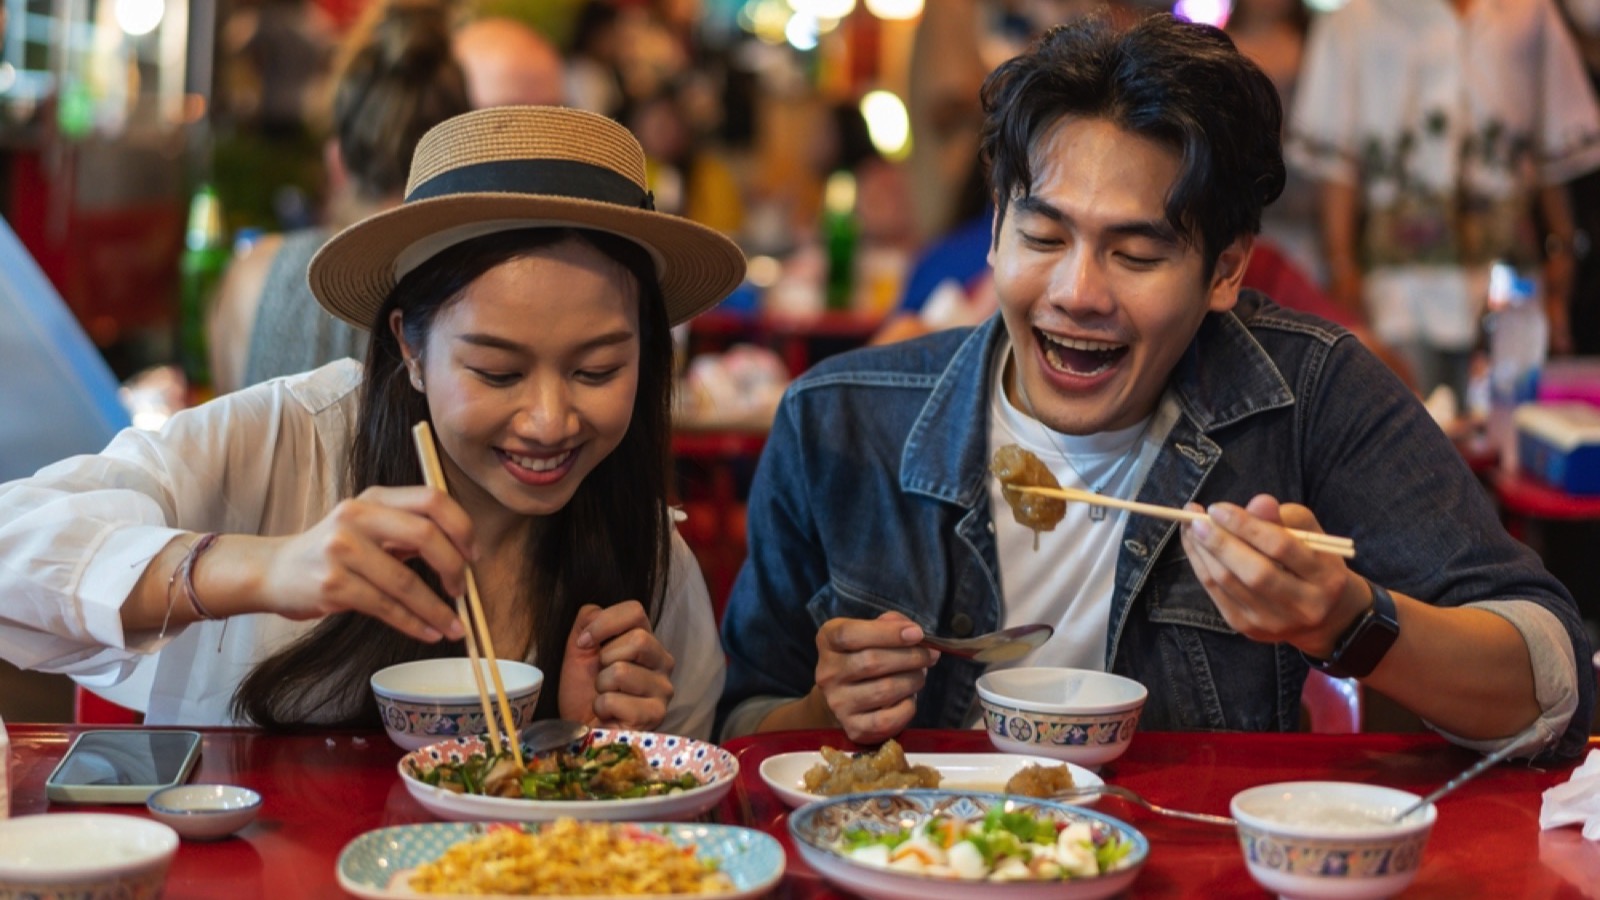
(320, 791)
(1524, 497)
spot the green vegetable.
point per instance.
(1112, 851)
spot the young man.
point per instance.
(1130, 169)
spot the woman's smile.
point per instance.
(538, 470)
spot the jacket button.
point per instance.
(960, 624)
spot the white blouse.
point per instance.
(270, 460)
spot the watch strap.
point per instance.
(1363, 645)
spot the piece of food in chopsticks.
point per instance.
(1003, 846)
(1034, 780)
(882, 769)
(1016, 467)
(570, 858)
(612, 771)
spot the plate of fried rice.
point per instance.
(563, 858)
(615, 775)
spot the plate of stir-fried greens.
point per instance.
(612, 775)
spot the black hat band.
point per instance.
(538, 177)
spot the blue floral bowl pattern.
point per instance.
(1332, 839)
(1082, 716)
(414, 725)
(426, 700)
(1324, 858)
(1086, 740)
(136, 886)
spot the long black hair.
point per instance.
(609, 544)
(1180, 84)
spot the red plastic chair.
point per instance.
(89, 708)
(1332, 704)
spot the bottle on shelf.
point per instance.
(1519, 337)
(839, 239)
(205, 256)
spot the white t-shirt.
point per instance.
(1068, 580)
(269, 460)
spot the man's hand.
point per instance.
(1269, 585)
(869, 672)
(615, 672)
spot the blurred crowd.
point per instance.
(1427, 140)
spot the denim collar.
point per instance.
(1224, 377)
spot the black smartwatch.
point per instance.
(1364, 643)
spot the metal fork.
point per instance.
(1078, 793)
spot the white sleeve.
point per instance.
(1554, 674)
(688, 629)
(1322, 139)
(77, 536)
(1569, 128)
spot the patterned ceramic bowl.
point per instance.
(1078, 715)
(1331, 839)
(426, 701)
(714, 767)
(818, 827)
(84, 856)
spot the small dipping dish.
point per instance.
(205, 812)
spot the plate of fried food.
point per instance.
(562, 858)
(612, 775)
(803, 777)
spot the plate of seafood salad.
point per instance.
(959, 845)
(612, 774)
(563, 858)
(1002, 846)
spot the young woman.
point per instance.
(263, 554)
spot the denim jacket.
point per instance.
(871, 496)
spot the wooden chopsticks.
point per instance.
(1322, 543)
(433, 474)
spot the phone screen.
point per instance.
(128, 757)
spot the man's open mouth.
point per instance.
(1079, 357)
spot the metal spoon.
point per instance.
(1474, 771)
(1004, 645)
(550, 734)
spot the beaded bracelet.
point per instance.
(187, 569)
(183, 573)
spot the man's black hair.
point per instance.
(1180, 84)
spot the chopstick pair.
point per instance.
(433, 475)
(1322, 543)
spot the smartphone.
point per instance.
(122, 766)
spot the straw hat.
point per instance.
(522, 167)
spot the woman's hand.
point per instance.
(1268, 584)
(615, 672)
(354, 560)
(869, 672)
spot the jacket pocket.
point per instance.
(1203, 674)
(1178, 598)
